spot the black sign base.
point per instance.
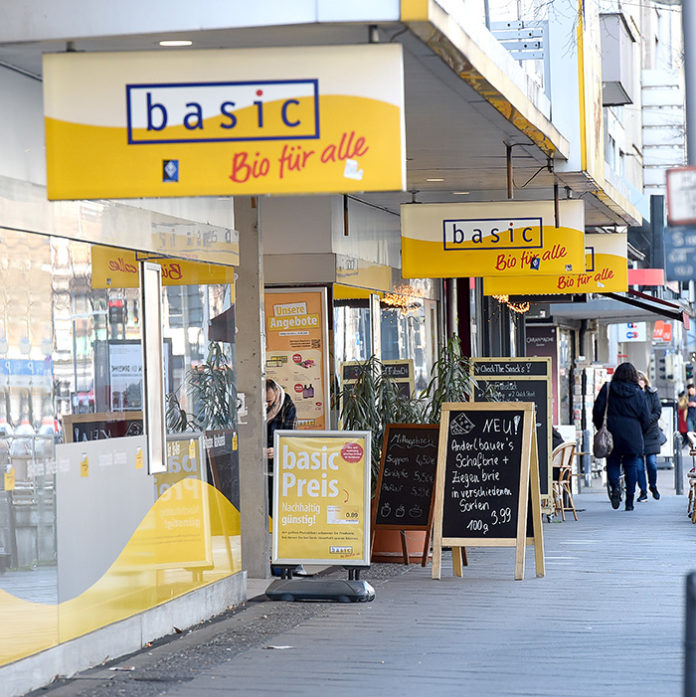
(341, 591)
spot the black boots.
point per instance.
(615, 497)
(655, 493)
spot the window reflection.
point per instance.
(86, 535)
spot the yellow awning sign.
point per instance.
(301, 119)
(118, 268)
(606, 271)
(507, 238)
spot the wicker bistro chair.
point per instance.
(562, 460)
(691, 477)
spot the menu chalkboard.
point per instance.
(482, 474)
(486, 464)
(406, 477)
(522, 380)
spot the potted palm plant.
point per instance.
(373, 401)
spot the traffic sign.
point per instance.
(681, 196)
(680, 253)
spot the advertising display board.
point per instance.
(505, 238)
(297, 353)
(485, 470)
(321, 498)
(301, 119)
(405, 483)
(182, 541)
(523, 380)
(606, 271)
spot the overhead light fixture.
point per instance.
(460, 193)
(176, 42)
(434, 179)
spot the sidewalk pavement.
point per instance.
(608, 619)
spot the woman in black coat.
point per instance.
(281, 414)
(652, 441)
(628, 418)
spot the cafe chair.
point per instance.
(562, 461)
(691, 477)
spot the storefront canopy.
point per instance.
(621, 307)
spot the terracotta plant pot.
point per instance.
(387, 546)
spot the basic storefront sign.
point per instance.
(606, 271)
(506, 238)
(321, 498)
(310, 119)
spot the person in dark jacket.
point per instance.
(628, 418)
(652, 441)
(281, 414)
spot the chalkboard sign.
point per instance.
(486, 463)
(523, 380)
(514, 367)
(400, 371)
(406, 477)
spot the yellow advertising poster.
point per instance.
(180, 532)
(302, 119)
(606, 271)
(321, 498)
(118, 268)
(9, 479)
(505, 238)
(297, 350)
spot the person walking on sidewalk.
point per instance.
(682, 411)
(691, 407)
(652, 441)
(628, 418)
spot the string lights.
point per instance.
(404, 298)
(519, 308)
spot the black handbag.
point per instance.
(603, 442)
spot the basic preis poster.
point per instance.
(321, 498)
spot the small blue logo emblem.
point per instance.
(535, 263)
(170, 170)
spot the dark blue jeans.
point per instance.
(651, 466)
(631, 465)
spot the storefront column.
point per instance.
(256, 552)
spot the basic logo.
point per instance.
(340, 550)
(222, 111)
(491, 233)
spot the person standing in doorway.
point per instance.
(691, 407)
(652, 441)
(281, 414)
(628, 419)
